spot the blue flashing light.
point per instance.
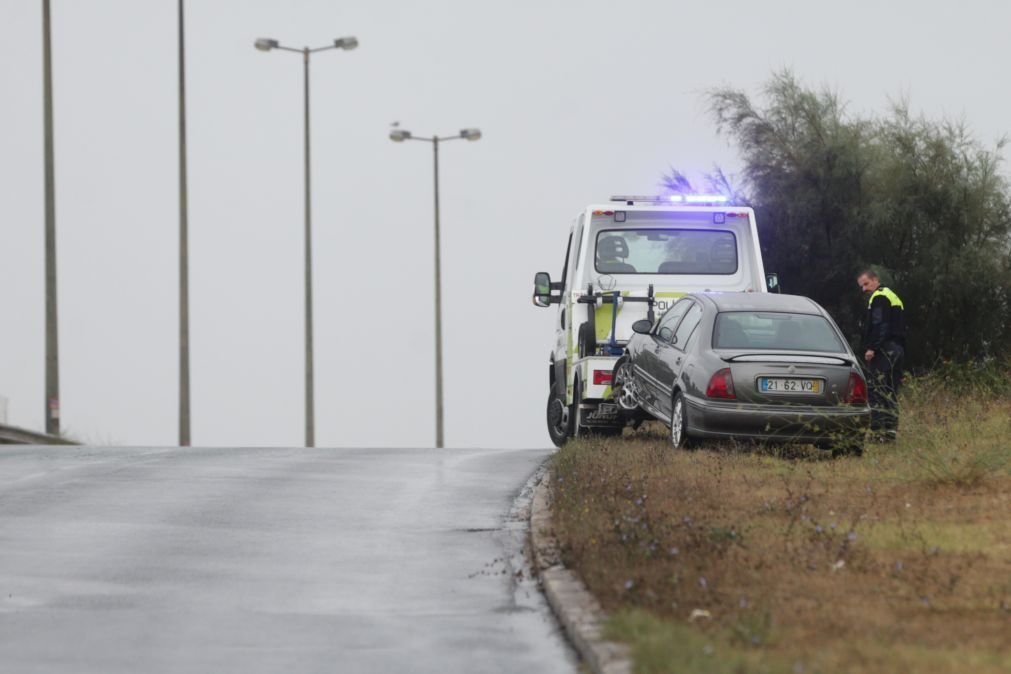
(706, 199)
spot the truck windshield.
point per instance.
(666, 251)
(773, 330)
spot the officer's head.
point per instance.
(868, 281)
(612, 248)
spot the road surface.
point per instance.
(269, 560)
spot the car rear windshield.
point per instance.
(772, 330)
(666, 251)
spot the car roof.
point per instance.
(794, 304)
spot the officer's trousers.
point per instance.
(883, 381)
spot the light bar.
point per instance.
(673, 198)
(653, 199)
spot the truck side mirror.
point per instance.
(642, 326)
(772, 283)
(542, 289)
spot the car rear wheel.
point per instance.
(679, 423)
(559, 419)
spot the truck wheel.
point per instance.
(559, 419)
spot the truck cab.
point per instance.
(626, 260)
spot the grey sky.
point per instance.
(577, 101)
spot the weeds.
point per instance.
(955, 439)
(770, 558)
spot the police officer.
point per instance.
(884, 345)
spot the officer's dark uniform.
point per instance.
(885, 334)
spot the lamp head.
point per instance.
(399, 135)
(265, 44)
(346, 43)
(470, 134)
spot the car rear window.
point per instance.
(773, 330)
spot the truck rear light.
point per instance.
(856, 390)
(721, 385)
(601, 377)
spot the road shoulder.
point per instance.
(577, 610)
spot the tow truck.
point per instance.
(628, 259)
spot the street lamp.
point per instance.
(184, 254)
(52, 342)
(347, 44)
(398, 135)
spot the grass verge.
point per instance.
(740, 559)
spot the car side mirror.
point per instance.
(772, 283)
(642, 326)
(542, 290)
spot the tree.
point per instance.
(920, 201)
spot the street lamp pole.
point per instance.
(52, 414)
(267, 44)
(398, 136)
(310, 385)
(184, 280)
(438, 303)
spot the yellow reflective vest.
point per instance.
(893, 299)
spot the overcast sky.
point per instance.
(577, 101)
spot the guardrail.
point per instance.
(12, 435)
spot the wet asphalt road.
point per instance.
(269, 560)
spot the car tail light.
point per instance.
(721, 385)
(601, 377)
(856, 391)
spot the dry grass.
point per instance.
(737, 559)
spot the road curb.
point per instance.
(577, 610)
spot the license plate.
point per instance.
(789, 385)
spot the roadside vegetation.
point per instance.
(743, 558)
(922, 201)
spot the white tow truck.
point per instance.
(627, 260)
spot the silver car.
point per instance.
(746, 366)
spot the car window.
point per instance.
(774, 330)
(669, 321)
(689, 324)
(565, 267)
(666, 251)
(579, 243)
